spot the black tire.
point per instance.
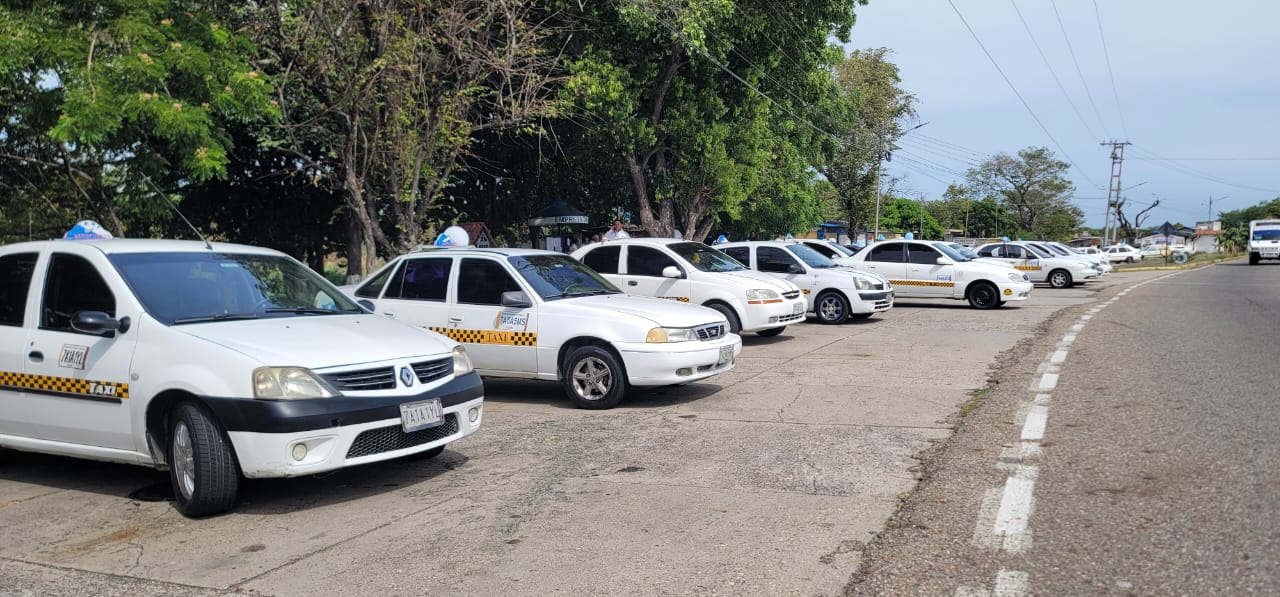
(428, 455)
(1060, 278)
(202, 466)
(593, 378)
(1254, 258)
(983, 295)
(771, 332)
(735, 326)
(831, 307)
(1128, 259)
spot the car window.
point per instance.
(560, 276)
(1034, 251)
(740, 254)
(922, 255)
(825, 250)
(989, 251)
(773, 259)
(1014, 252)
(424, 279)
(706, 258)
(482, 282)
(16, 271)
(951, 252)
(603, 259)
(888, 253)
(373, 288)
(811, 257)
(647, 261)
(73, 285)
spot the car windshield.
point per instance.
(810, 256)
(705, 258)
(195, 287)
(1037, 251)
(1266, 234)
(840, 249)
(560, 276)
(950, 252)
(963, 250)
(1057, 249)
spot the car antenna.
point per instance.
(175, 210)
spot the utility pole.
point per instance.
(1113, 193)
(875, 230)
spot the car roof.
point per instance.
(650, 240)
(112, 246)
(469, 250)
(760, 243)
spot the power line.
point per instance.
(951, 145)
(1213, 159)
(1015, 92)
(1072, 51)
(1189, 171)
(1045, 59)
(1106, 54)
(943, 154)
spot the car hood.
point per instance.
(658, 312)
(319, 341)
(980, 268)
(754, 279)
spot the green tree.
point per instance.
(906, 215)
(1034, 190)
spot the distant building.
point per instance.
(478, 233)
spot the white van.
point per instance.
(692, 272)
(214, 361)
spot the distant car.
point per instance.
(931, 269)
(1098, 262)
(973, 255)
(829, 249)
(1088, 250)
(1039, 264)
(835, 293)
(1125, 253)
(535, 314)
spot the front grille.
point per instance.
(790, 295)
(790, 318)
(382, 378)
(713, 331)
(390, 439)
(883, 305)
(428, 371)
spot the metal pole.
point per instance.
(875, 229)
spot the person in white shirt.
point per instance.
(616, 232)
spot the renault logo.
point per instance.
(406, 376)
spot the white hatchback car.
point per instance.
(835, 293)
(1039, 265)
(214, 361)
(1125, 253)
(542, 315)
(931, 269)
(692, 272)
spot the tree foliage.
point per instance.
(906, 215)
(1033, 189)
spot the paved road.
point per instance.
(1133, 451)
(767, 480)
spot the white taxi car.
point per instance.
(1123, 252)
(1097, 262)
(691, 272)
(931, 269)
(214, 361)
(835, 293)
(1039, 264)
(829, 249)
(537, 314)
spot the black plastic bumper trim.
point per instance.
(292, 416)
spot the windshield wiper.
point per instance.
(591, 292)
(303, 310)
(218, 317)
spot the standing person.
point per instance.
(616, 232)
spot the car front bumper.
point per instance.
(1017, 291)
(662, 364)
(764, 315)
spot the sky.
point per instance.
(1196, 91)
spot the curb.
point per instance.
(1161, 268)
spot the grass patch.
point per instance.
(975, 399)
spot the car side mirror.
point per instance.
(945, 261)
(98, 322)
(516, 298)
(367, 304)
(672, 271)
(795, 268)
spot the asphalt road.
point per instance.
(1131, 449)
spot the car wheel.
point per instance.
(771, 331)
(1254, 258)
(1128, 259)
(734, 325)
(831, 308)
(1060, 278)
(593, 378)
(202, 467)
(983, 295)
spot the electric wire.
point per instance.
(1170, 164)
(1053, 73)
(1107, 54)
(1072, 52)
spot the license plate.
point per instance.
(797, 309)
(420, 415)
(726, 355)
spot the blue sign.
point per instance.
(87, 229)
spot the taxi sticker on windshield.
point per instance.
(511, 322)
(73, 357)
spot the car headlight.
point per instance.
(1016, 277)
(756, 294)
(863, 283)
(461, 361)
(657, 335)
(289, 383)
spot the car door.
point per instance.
(781, 263)
(926, 275)
(889, 260)
(417, 291)
(77, 383)
(605, 259)
(643, 275)
(17, 270)
(498, 338)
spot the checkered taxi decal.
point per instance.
(922, 283)
(488, 336)
(64, 386)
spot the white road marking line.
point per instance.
(1043, 399)
(1011, 583)
(1058, 357)
(1077, 327)
(982, 535)
(1037, 418)
(1016, 504)
(1048, 382)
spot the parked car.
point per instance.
(834, 293)
(214, 361)
(974, 256)
(1098, 262)
(1123, 252)
(829, 249)
(692, 272)
(931, 269)
(535, 314)
(1038, 264)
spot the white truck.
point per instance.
(1264, 240)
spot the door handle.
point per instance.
(455, 319)
(632, 283)
(391, 315)
(36, 356)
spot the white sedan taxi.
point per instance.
(1040, 265)
(536, 314)
(931, 269)
(835, 293)
(691, 272)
